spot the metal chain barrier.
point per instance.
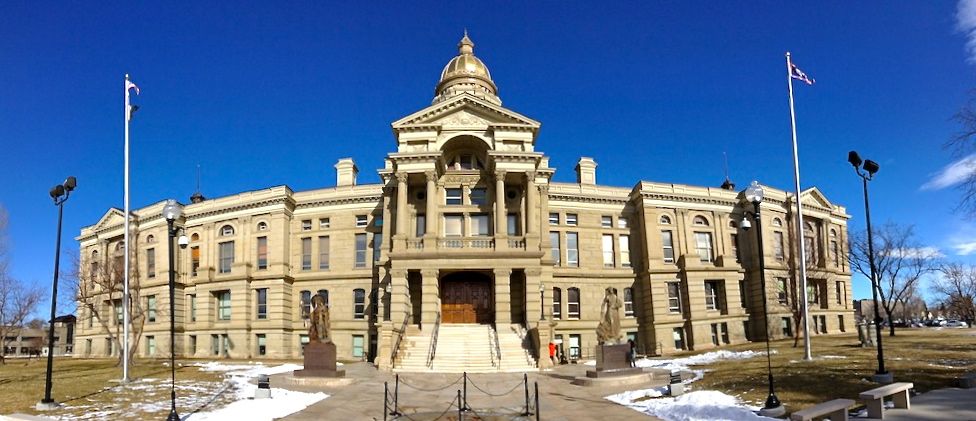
(430, 390)
(496, 395)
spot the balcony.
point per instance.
(465, 244)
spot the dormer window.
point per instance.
(700, 221)
(226, 231)
(151, 239)
(262, 226)
(665, 220)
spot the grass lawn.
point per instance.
(89, 388)
(931, 358)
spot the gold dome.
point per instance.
(466, 73)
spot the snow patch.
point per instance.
(704, 405)
(282, 403)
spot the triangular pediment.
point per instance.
(813, 196)
(465, 111)
(114, 216)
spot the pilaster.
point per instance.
(433, 214)
(501, 216)
(503, 296)
(429, 302)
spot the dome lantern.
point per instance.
(466, 73)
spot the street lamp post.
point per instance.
(754, 194)
(866, 172)
(59, 194)
(542, 300)
(173, 211)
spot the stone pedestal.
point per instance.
(320, 361)
(613, 360)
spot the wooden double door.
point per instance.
(467, 300)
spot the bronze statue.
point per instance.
(608, 331)
(318, 330)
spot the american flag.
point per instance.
(798, 74)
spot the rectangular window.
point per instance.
(262, 344)
(573, 308)
(150, 345)
(118, 311)
(306, 225)
(674, 297)
(324, 252)
(574, 347)
(557, 303)
(628, 302)
(606, 221)
(453, 225)
(479, 196)
(305, 302)
(453, 196)
(357, 346)
(307, 253)
(302, 341)
(151, 308)
(421, 225)
(724, 328)
(734, 238)
(262, 301)
(226, 256)
(624, 243)
(262, 253)
(223, 305)
(555, 250)
(838, 287)
(377, 246)
(678, 334)
(703, 243)
(192, 346)
(622, 222)
(512, 224)
(743, 294)
(810, 251)
(194, 260)
(835, 252)
(781, 294)
(714, 329)
(778, 252)
(840, 323)
(571, 219)
(360, 257)
(787, 327)
(823, 324)
(711, 295)
(813, 293)
(572, 249)
(215, 344)
(192, 300)
(151, 263)
(362, 221)
(324, 223)
(109, 347)
(553, 218)
(359, 303)
(479, 225)
(667, 243)
(608, 251)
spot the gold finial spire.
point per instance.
(466, 46)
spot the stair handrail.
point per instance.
(433, 341)
(522, 334)
(396, 346)
(494, 350)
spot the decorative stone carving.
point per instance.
(500, 175)
(431, 175)
(402, 177)
(318, 330)
(463, 118)
(608, 331)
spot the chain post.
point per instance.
(537, 401)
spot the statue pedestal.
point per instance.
(320, 361)
(613, 360)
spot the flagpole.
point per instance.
(799, 219)
(125, 264)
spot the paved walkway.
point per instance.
(425, 396)
(938, 405)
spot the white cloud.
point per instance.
(923, 252)
(954, 173)
(965, 249)
(966, 23)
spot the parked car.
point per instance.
(956, 323)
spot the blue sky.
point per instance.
(262, 94)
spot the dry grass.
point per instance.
(90, 388)
(931, 358)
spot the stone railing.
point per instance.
(419, 244)
(466, 243)
(415, 244)
(516, 243)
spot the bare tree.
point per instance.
(964, 144)
(17, 301)
(957, 289)
(97, 286)
(900, 263)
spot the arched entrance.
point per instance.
(467, 297)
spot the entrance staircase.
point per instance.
(472, 348)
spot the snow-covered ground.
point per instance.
(703, 405)
(283, 402)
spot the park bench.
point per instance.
(874, 398)
(836, 410)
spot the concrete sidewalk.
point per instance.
(938, 405)
(425, 396)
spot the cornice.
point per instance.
(288, 201)
(346, 200)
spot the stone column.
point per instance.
(429, 301)
(432, 211)
(399, 296)
(533, 305)
(501, 214)
(503, 296)
(543, 218)
(401, 204)
(530, 203)
(387, 213)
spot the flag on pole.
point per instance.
(795, 73)
(132, 108)
(130, 85)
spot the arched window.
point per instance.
(120, 246)
(306, 303)
(93, 266)
(665, 220)
(557, 303)
(226, 231)
(700, 221)
(195, 237)
(324, 293)
(628, 302)
(833, 234)
(359, 303)
(573, 308)
(262, 226)
(150, 238)
(733, 224)
(777, 222)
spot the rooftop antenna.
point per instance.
(727, 184)
(197, 197)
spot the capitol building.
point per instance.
(467, 255)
